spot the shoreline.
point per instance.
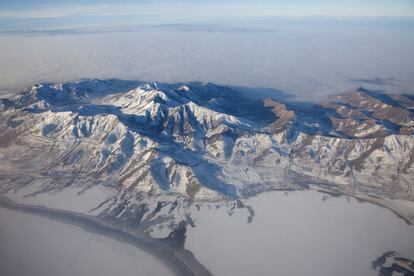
(369, 199)
(180, 261)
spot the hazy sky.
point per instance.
(27, 13)
(307, 57)
(232, 42)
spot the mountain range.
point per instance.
(163, 147)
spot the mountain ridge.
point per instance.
(158, 143)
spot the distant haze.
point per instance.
(176, 10)
(307, 57)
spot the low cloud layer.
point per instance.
(309, 58)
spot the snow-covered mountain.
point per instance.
(162, 147)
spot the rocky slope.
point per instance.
(159, 148)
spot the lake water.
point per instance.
(38, 246)
(294, 234)
(298, 234)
